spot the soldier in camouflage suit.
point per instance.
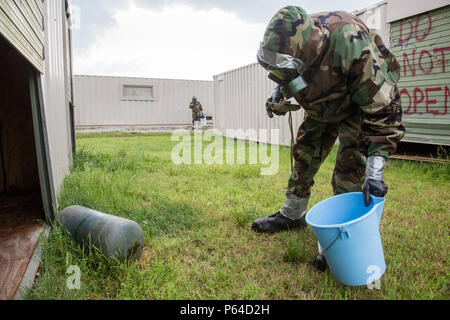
(197, 110)
(346, 79)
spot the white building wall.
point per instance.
(240, 103)
(375, 17)
(55, 90)
(400, 9)
(99, 102)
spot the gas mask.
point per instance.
(283, 69)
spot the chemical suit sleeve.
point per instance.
(372, 74)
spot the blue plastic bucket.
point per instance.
(348, 232)
(203, 121)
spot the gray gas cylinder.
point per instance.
(116, 237)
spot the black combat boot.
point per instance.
(276, 223)
(321, 262)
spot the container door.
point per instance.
(422, 46)
(21, 23)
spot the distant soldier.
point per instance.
(346, 79)
(197, 110)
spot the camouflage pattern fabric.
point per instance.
(315, 140)
(352, 79)
(196, 110)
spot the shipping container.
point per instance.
(138, 103)
(421, 43)
(35, 135)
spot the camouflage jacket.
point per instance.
(348, 69)
(196, 107)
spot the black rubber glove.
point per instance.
(271, 112)
(276, 97)
(376, 188)
(374, 184)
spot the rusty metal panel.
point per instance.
(422, 46)
(21, 25)
(240, 96)
(120, 102)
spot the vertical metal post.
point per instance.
(42, 146)
(72, 128)
(69, 71)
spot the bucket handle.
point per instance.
(341, 232)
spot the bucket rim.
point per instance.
(341, 225)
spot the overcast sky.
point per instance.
(176, 39)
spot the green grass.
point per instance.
(197, 222)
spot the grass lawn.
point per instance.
(197, 222)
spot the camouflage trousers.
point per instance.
(196, 117)
(314, 142)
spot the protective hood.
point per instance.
(291, 40)
(284, 66)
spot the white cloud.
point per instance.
(176, 42)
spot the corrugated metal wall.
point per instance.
(55, 90)
(422, 46)
(21, 25)
(99, 102)
(240, 103)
